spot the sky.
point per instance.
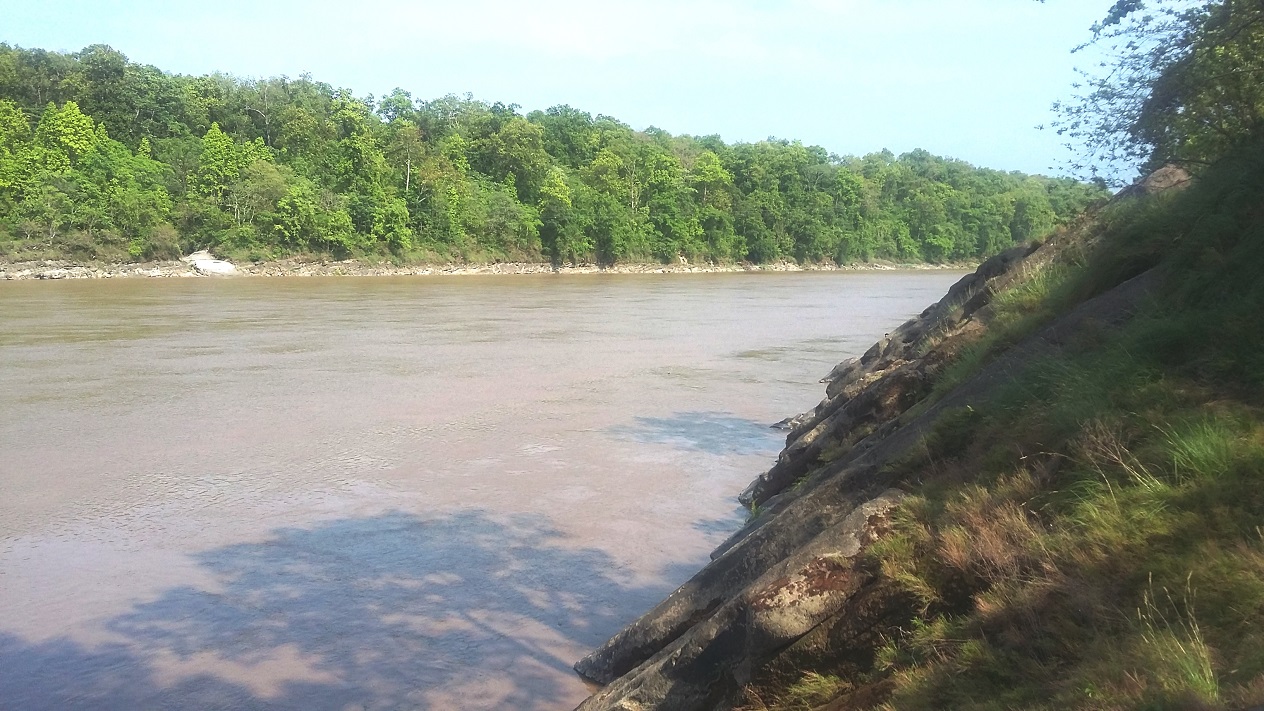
(969, 79)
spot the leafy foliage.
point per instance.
(1181, 82)
(262, 168)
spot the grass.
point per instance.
(1173, 641)
(808, 692)
(1038, 589)
(1015, 313)
(1204, 446)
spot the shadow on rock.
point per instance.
(392, 611)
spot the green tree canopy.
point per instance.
(1182, 82)
(95, 149)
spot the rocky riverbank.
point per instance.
(66, 269)
(885, 529)
(794, 584)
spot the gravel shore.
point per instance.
(299, 268)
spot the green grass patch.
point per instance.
(1015, 313)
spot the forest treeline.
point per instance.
(104, 158)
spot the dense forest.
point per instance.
(103, 158)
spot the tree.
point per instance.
(407, 146)
(1033, 216)
(221, 162)
(514, 154)
(670, 203)
(396, 105)
(713, 186)
(562, 235)
(570, 135)
(15, 148)
(711, 180)
(63, 135)
(501, 226)
(390, 225)
(268, 166)
(256, 191)
(1185, 85)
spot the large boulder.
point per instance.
(203, 262)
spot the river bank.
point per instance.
(989, 508)
(70, 269)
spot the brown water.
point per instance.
(382, 493)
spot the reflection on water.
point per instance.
(382, 493)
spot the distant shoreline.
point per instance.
(70, 269)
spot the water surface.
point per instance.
(380, 493)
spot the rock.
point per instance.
(1169, 177)
(214, 267)
(787, 424)
(203, 262)
(714, 658)
(893, 375)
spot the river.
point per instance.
(383, 493)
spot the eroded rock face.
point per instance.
(897, 372)
(711, 664)
(794, 584)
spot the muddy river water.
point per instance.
(382, 493)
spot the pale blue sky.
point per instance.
(968, 79)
